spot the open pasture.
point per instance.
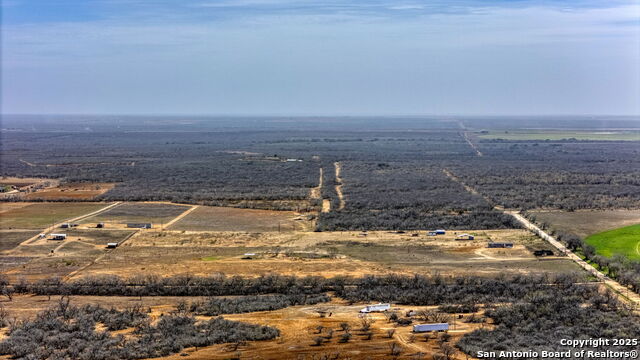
(624, 241)
(210, 218)
(608, 135)
(12, 238)
(327, 254)
(585, 223)
(154, 213)
(42, 215)
(72, 191)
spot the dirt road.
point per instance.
(632, 297)
(473, 146)
(339, 185)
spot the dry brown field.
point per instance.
(211, 218)
(585, 223)
(144, 212)
(210, 241)
(42, 214)
(72, 191)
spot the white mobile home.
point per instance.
(431, 327)
(58, 236)
(376, 308)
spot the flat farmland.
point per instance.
(327, 254)
(624, 241)
(99, 236)
(42, 215)
(561, 135)
(72, 191)
(12, 238)
(211, 218)
(155, 213)
(585, 223)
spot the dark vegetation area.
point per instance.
(566, 175)
(69, 332)
(538, 321)
(214, 306)
(529, 312)
(391, 170)
(408, 195)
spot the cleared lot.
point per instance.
(585, 223)
(210, 218)
(155, 213)
(41, 215)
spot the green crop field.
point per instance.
(625, 241)
(561, 135)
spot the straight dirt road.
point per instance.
(339, 185)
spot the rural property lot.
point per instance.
(154, 213)
(72, 191)
(585, 223)
(327, 254)
(41, 215)
(209, 218)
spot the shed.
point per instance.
(465, 237)
(112, 245)
(431, 327)
(440, 232)
(58, 236)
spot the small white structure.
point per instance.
(112, 245)
(440, 232)
(431, 327)
(465, 237)
(376, 308)
(42, 236)
(58, 236)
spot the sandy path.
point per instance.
(473, 146)
(179, 217)
(339, 185)
(316, 191)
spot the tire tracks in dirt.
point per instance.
(339, 185)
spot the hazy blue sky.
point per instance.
(321, 57)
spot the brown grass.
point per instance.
(210, 218)
(73, 191)
(585, 223)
